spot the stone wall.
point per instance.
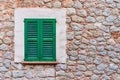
(93, 41)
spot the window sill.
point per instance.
(39, 63)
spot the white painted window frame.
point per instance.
(58, 14)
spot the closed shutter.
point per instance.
(31, 40)
(48, 52)
(40, 40)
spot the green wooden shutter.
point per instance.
(31, 40)
(48, 52)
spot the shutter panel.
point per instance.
(31, 40)
(48, 52)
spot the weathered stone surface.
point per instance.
(8, 55)
(60, 73)
(82, 13)
(92, 48)
(16, 66)
(18, 73)
(81, 62)
(88, 73)
(41, 74)
(98, 60)
(70, 35)
(117, 1)
(7, 63)
(109, 48)
(106, 12)
(91, 54)
(76, 18)
(117, 23)
(1, 41)
(100, 48)
(77, 4)
(73, 53)
(110, 18)
(60, 78)
(109, 72)
(29, 74)
(70, 75)
(78, 73)
(68, 4)
(98, 72)
(100, 19)
(94, 77)
(10, 33)
(97, 34)
(8, 24)
(39, 2)
(2, 35)
(49, 78)
(76, 26)
(98, 12)
(7, 40)
(81, 67)
(102, 66)
(113, 66)
(73, 47)
(101, 39)
(91, 67)
(71, 63)
(8, 74)
(82, 57)
(116, 77)
(61, 67)
(109, 1)
(111, 42)
(90, 19)
(89, 60)
(76, 42)
(93, 42)
(90, 26)
(117, 61)
(57, 4)
(112, 54)
(117, 48)
(18, 79)
(107, 23)
(46, 1)
(102, 27)
(105, 77)
(3, 69)
(118, 6)
(3, 47)
(68, 20)
(70, 11)
(73, 58)
(85, 41)
(50, 72)
(113, 5)
(118, 71)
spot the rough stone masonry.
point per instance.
(93, 41)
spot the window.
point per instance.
(39, 15)
(40, 40)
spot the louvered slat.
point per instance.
(32, 30)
